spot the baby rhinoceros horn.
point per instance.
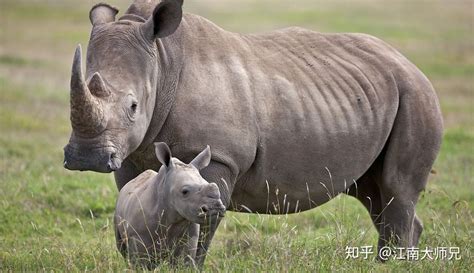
(212, 191)
(87, 115)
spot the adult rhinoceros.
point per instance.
(294, 117)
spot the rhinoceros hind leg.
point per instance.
(417, 230)
(409, 155)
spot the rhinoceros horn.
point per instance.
(87, 115)
(97, 86)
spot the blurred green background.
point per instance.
(53, 219)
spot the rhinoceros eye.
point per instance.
(184, 192)
(134, 107)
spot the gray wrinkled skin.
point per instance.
(157, 214)
(294, 116)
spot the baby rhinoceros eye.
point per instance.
(184, 192)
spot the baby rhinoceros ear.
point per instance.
(203, 159)
(163, 153)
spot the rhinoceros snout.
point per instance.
(98, 160)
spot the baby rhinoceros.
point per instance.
(157, 215)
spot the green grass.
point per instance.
(52, 219)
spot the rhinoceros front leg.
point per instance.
(221, 175)
(127, 172)
(185, 249)
(206, 234)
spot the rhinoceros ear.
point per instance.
(203, 159)
(165, 19)
(102, 13)
(163, 153)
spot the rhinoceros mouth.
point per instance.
(211, 213)
(104, 160)
(114, 163)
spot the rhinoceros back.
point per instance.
(301, 111)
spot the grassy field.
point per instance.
(53, 219)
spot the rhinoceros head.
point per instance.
(113, 103)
